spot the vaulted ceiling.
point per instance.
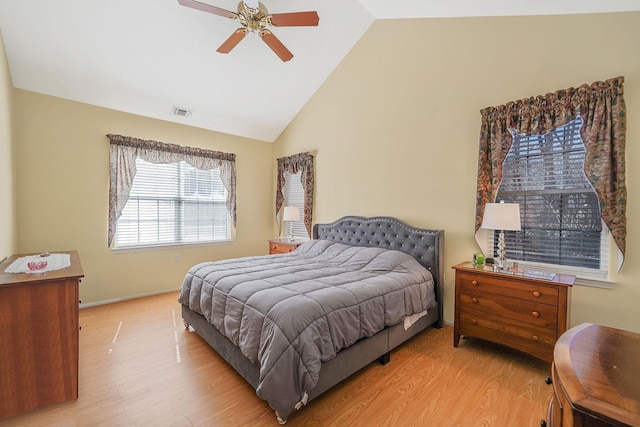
(146, 57)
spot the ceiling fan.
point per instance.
(255, 18)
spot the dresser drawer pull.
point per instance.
(535, 338)
(536, 294)
(474, 282)
(474, 321)
(474, 300)
(535, 314)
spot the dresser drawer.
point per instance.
(533, 339)
(524, 291)
(512, 308)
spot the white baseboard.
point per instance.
(111, 301)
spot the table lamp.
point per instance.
(501, 216)
(291, 213)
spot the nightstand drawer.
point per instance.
(282, 247)
(525, 291)
(533, 339)
(512, 308)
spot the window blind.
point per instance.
(559, 209)
(294, 196)
(171, 204)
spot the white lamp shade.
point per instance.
(501, 216)
(291, 213)
(253, 4)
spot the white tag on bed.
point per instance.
(303, 402)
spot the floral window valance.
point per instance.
(303, 163)
(122, 169)
(603, 110)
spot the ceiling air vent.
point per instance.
(180, 112)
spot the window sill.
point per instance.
(595, 283)
(149, 248)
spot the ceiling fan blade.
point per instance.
(276, 45)
(232, 41)
(208, 8)
(295, 19)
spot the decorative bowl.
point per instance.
(36, 265)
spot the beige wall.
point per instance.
(7, 202)
(62, 162)
(396, 125)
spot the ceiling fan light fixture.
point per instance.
(253, 4)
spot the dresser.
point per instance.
(524, 312)
(595, 378)
(38, 337)
(282, 246)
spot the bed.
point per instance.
(246, 308)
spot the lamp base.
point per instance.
(502, 251)
(291, 238)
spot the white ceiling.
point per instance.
(147, 56)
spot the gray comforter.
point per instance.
(291, 312)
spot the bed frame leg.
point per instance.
(185, 323)
(385, 358)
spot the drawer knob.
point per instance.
(474, 282)
(475, 300)
(536, 294)
(535, 338)
(474, 321)
(535, 314)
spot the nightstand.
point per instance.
(524, 310)
(282, 246)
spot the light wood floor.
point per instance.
(140, 367)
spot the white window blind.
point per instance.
(294, 196)
(559, 209)
(173, 204)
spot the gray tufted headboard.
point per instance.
(426, 246)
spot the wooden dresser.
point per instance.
(38, 337)
(525, 313)
(282, 246)
(595, 378)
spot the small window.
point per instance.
(294, 196)
(173, 203)
(560, 213)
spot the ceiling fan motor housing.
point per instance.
(255, 20)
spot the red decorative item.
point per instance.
(36, 265)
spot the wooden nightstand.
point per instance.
(282, 246)
(522, 312)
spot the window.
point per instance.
(559, 208)
(173, 203)
(566, 167)
(296, 173)
(294, 196)
(165, 194)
